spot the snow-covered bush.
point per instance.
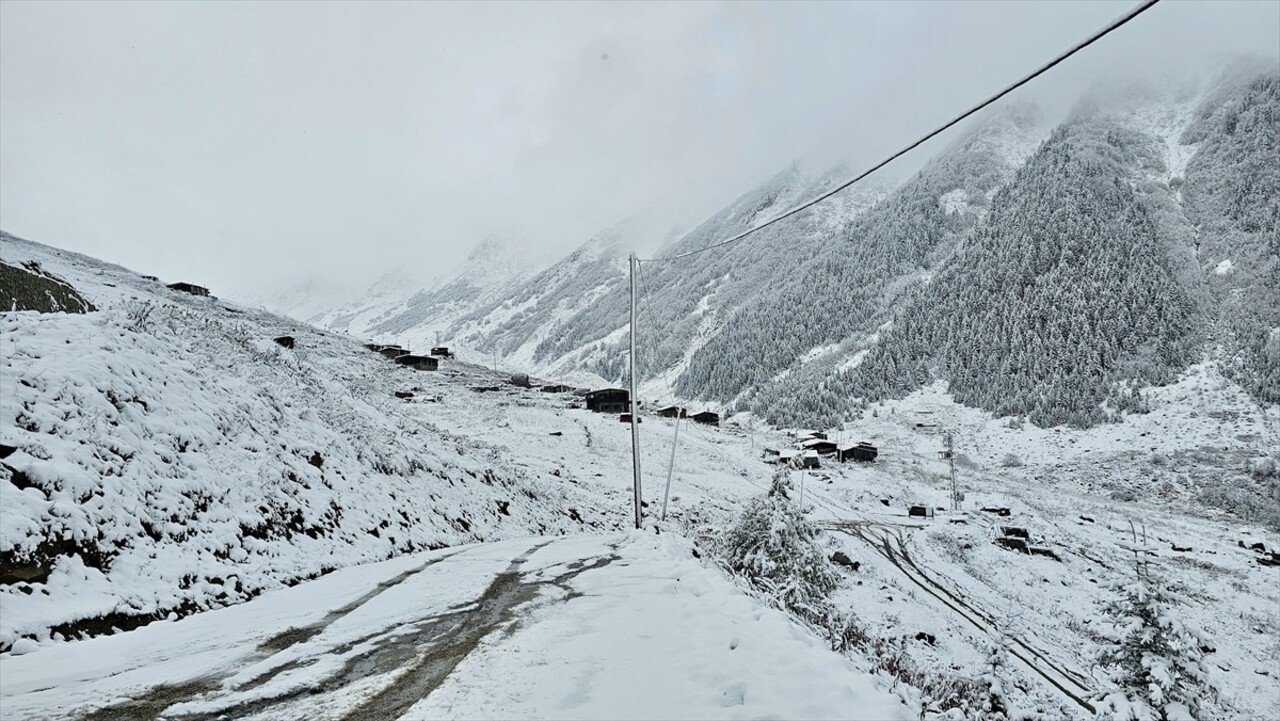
(1262, 468)
(776, 548)
(1011, 460)
(1154, 661)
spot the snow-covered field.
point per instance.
(166, 462)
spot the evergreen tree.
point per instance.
(1156, 662)
(776, 548)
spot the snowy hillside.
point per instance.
(166, 455)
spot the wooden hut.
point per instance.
(822, 446)
(707, 418)
(191, 288)
(392, 351)
(810, 460)
(864, 452)
(418, 362)
(609, 400)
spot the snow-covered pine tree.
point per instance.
(1155, 662)
(776, 548)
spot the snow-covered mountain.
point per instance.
(401, 308)
(571, 318)
(1131, 240)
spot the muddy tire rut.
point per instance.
(422, 653)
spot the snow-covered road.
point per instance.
(618, 626)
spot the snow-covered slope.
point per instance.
(165, 454)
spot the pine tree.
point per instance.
(1156, 662)
(776, 548)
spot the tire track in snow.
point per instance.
(154, 701)
(494, 610)
(889, 545)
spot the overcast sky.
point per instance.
(244, 145)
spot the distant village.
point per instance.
(809, 449)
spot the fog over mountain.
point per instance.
(258, 147)
(1045, 267)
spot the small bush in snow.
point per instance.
(776, 548)
(1262, 468)
(1011, 460)
(1155, 661)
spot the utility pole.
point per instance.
(671, 468)
(633, 263)
(951, 459)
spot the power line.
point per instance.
(1115, 25)
(742, 470)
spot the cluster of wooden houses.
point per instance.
(618, 400)
(403, 357)
(812, 446)
(710, 418)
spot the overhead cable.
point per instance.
(1114, 25)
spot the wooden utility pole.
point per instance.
(635, 416)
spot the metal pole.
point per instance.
(802, 477)
(951, 458)
(635, 417)
(671, 468)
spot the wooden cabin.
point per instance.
(822, 446)
(556, 388)
(418, 362)
(441, 352)
(864, 452)
(392, 351)
(810, 460)
(191, 288)
(609, 400)
(707, 418)
(673, 412)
